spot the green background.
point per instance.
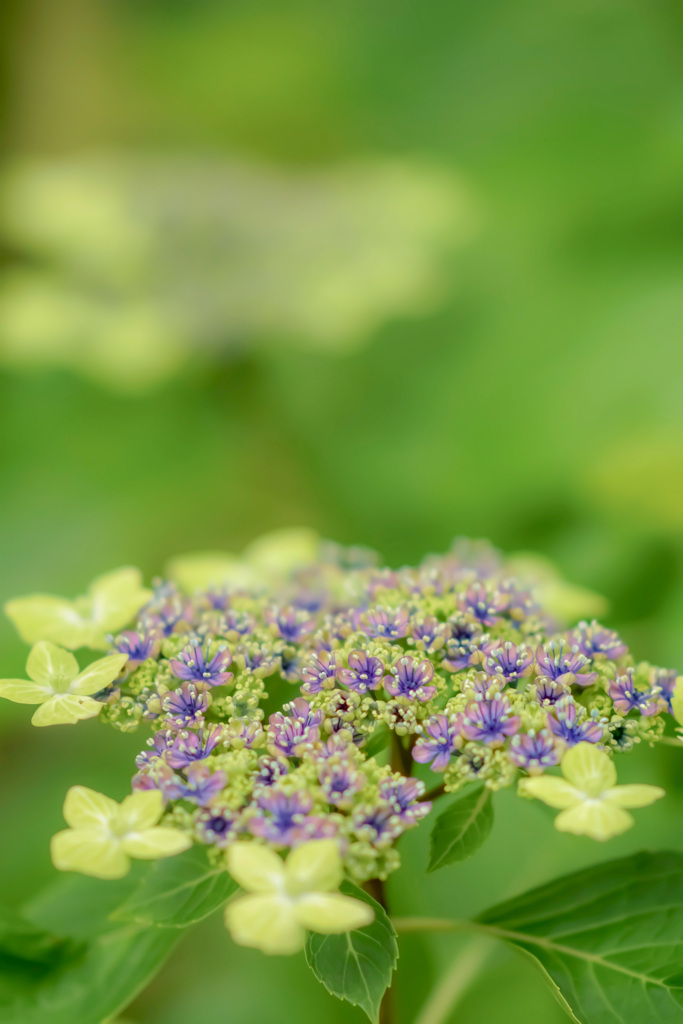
(541, 406)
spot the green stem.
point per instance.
(671, 741)
(455, 982)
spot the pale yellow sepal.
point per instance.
(591, 803)
(677, 700)
(286, 898)
(112, 601)
(62, 692)
(104, 835)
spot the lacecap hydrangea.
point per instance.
(312, 705)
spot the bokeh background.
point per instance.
(395, 271)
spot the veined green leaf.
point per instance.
(461, 829)
(356, 966)
(177, 892)
(609, 940)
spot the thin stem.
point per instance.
(401, 757)
(376, 888)
(455, 982)
(432, 794)
(671, 741)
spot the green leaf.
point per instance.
(379, 739)
(461, 829)
(608, 940)
(178, 892)
(356, 966)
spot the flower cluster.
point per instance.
(317, 707)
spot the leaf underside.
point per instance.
(609, 940)
(356, 966)
(461, 829)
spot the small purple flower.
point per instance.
(665, 680)
(627, 697)
(216, 827)
(173, 616)
(187, 706)
(442, 739)
(255, 659)
(462, 644)
(138, 646)
(270, 769)
(411, 679)
(429, 632)
(378, 825)
(237, 622)
(490, 720)
(340, 781)
(507, 660)
(337, 744)
(292, 624)
(565, 726)
(385, 623)
(365, 672)
(283, 821)
(520, 604)
(291, 734)
(193, 663)
(534, 751)
(482, 605)
(562, 665)
(179, 749)
(596, 642)
(202, 785)
(548, 692)
(320, 673)
(403, 796)
(244, 734)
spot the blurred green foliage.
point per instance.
(542, 406)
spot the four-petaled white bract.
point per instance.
(104, 835)
(63, 693)
(284, 899)
(591, 802)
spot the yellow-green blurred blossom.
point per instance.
(62, 692)
(104, 835)
(285, 898)
(111, 602)
(591, 802)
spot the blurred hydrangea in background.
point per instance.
(126, 266)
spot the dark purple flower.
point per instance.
(179, 749)
(548, 692)
(283, 818)
(403, 796)
(665, 680)
(556, 661)
(365, 672)
(482, 605)
(173, 616)
(270, 769)
(138, 646)
(596, 642)
(442, 739)
(379, 825)
(340, 781)
(202, 785)
(320, 673)
(187, 706)
(291, 734)
(410, 678)
(216, 827)
(429, 632)
(193, 663)
(490, 720)
(534, 751)
(507, 660)
(462, 644)
(385, 623)
(627, 697)
(292, 624)
(565, 726)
